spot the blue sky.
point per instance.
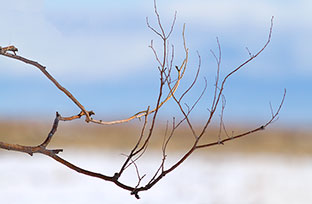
(99, 51)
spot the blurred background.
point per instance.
(99, 51)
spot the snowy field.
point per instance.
(215, 179)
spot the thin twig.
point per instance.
(53, 130)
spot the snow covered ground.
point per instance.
(215, 179)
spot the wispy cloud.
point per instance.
(106, 39)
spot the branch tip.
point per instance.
(135, 193)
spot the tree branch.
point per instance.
(170, 78)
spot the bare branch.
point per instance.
(51, 78)
(195, 79)
(216, 101)
(170, 80)
(274, 116)
(78, 116)
(53, 130)
(83, 110)
(153, 29)
(221, 117)
(249, 53)
(218, 61)
(172, 25)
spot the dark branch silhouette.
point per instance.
(170, 78)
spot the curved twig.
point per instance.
(51, 78)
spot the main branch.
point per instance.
(170, 79)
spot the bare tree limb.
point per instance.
(51, 78)
(170, 80)
(262, 127)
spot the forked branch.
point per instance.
(170, 79)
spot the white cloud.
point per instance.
(247, 21)
(117, 50)
(98, 55)
(228, 12)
